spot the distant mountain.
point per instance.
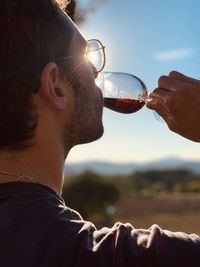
(126, 168)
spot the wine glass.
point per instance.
(122, 92)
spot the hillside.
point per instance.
(109, 168)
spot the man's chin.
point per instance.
(91, 136)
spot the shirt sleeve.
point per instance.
(77, 243)
(153, 247)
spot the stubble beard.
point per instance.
(86, 123)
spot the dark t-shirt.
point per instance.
(37, 229)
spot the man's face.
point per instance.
(85, 124)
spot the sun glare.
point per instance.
(92, 57)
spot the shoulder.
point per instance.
(76, 242)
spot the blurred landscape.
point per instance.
(104, 167)
(167, 196)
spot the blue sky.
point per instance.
(148, 39)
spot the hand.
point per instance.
(177, 100)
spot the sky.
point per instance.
(148, 39)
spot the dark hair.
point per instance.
(32, 33)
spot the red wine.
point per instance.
(123, 105)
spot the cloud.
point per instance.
(174, 54)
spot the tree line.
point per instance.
(95, 196)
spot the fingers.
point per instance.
(169, 83)
(159, 97)
(181, 77)
(172, 100)
(159, 104)
(176, 81)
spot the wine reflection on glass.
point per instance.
(122, 92)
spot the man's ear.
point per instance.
(51, 86)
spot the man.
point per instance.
(49, 103)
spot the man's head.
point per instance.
(39, 45)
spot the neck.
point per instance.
(46, 165)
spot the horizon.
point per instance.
(125, 168)
(133, 162)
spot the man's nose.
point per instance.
(95, 72)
